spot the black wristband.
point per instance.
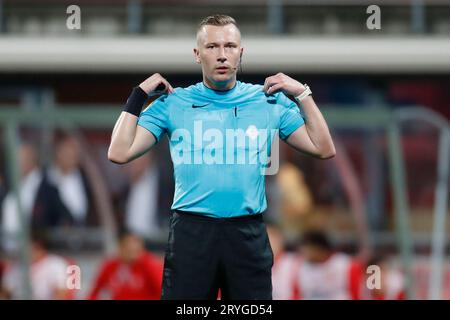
(135, 101)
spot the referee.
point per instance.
(216, 130)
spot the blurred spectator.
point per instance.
(134, 274)
(321, 273)
(145, 199)
(66, 176)
(2, 190)
(2, 269)
(283, 264)
(295, 198)
(48, 275)
(39, 200)
(2, 272)
(391, 282)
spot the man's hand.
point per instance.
(314, 137)
(151, 84)
(128, 140)
(284, 83)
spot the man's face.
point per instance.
(131, 247)
(219, 52)
(27, 159)
(67, 155)
(314, 254)
(37, 251)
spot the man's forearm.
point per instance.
(122, 137)
(124, 131)
(316, 126)
(127, 140)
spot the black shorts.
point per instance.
(206, 254)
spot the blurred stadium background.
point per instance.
(385, 94)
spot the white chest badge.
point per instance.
(252, 132)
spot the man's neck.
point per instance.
(220, 86)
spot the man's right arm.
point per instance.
(128, 140)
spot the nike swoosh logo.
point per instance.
(199, 106)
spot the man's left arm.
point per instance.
(314, 137)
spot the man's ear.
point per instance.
(197, 56)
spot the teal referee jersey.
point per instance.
(220, 143)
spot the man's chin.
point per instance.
(220, 79)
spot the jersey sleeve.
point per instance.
(155, 117)
(290, 116)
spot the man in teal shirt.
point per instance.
(222, 134)
(244, 112)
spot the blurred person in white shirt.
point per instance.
(321, 273)
(283, 263)
(142, 201)
(391, 284)
(66, 176)
(39, 199)
(48, 275)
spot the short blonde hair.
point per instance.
(217, 20)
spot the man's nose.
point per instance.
(221, 57)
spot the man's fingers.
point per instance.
(168, 87)
(266, 83)
(269, 83)
(275, 88)
(156, 84)
(161, 86)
